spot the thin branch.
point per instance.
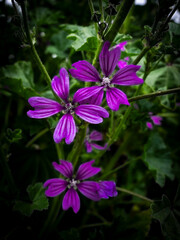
(154, 94)
(134, 194)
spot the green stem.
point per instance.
(59, 149)
(141, 55)
(78, 145)
(101, 10)
(115, 170)
(154, 94)
(36, 137)
(95, 225)
(34, 52)
(134, 194)
(119, 19)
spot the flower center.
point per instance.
(87, 138)
(69, 108)
(73, 183)
(106, 82)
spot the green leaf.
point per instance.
(83, 38)
(18, 78)
(38, 200)
(174, 28)
(168, 215)
(59, 44)
(158, 158)
(165, 77)
(14, 135)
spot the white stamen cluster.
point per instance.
(106, 82)
(73, 183)
(69, 108)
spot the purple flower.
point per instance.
(121, 45)
(107, 189)
(155, 119)
(108, 59)
(90, 189)
(123, 63)
(66, 127)
(93, 136)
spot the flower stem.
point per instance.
(36, 137)
(59, 149)
(119, 19)
(77, 147)
(154, 94)
(34, 52)
(134, 194)
(141, 55)
(101, 10)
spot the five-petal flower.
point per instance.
(91, 189)
(91, 138)
(108, 60)
(66, 127)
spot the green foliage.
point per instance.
(37, 200)
(158, 158)
(83, 38)
(18, 78)
(14, 135)
(168, 214)
(59, 44)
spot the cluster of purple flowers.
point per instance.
(85, 104)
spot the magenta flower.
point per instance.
(107, 189)
(108, 60)
(121, 45)
(155, 119)
(90, 138)
(90, 189)
(123, 63)
(66, 127)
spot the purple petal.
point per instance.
(115, 97)
(149, 125)
(127, 76)
(44, 107)
(96, 99)
(91, 113)
(122, 64)
(109, 59)
(66, 128)
(85, 72)
(90, 190)
(71, 199)
(65, 168)
(88, 146)
(60, 85)
(85, 93)
(55, 187)
(107, 189)
(156, 119)
(121, 45)
(86, 170)
(94, 145)
(96, 136)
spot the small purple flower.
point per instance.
(107, 189)
(90, 189)
(123, 63)
(90, 138)
(108, 59)
(66, 127)
(121, 45)
(155, 119)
